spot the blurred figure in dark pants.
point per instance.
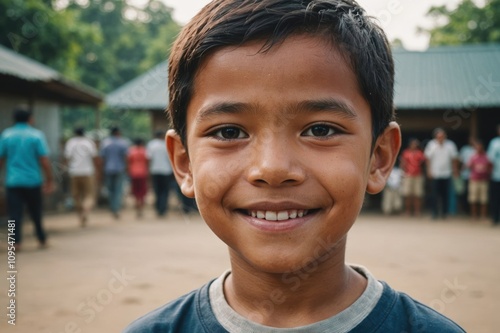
(442, 165)
(494, 156)
(25, 152)
(162, 177)
(114, 156)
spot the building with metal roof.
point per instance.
(148, 92)
(454, 87)
(43, 89)
(26, 77)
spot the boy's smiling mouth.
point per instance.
(282, 215)
(277, 219)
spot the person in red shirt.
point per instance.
(480, 171)
(411, 161)
(138, 172)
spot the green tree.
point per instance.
(469, 23)
(102, 43)
(130, 38)
(35, 29)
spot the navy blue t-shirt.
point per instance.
(395, 312)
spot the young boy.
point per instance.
(282, 113)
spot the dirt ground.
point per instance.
(100, 278)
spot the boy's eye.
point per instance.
(229, 133)
(319, 130)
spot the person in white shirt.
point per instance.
(442, 164)
(392, 201)
(161, 172)
(81, 157)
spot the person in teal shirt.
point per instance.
(24, 151)
(493, 153)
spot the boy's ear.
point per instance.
(385, 152)
(180, 163)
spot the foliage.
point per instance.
(35, 29)
(134, 124)
(469, 23)
(102, 43)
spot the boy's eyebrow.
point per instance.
(220, 108)
(329, 104)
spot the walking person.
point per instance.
(441, 159)
(25, 152)
(161, 172)
(81, 156)
(493, 153)
(411, 163)
(114, 155)
(138, 172)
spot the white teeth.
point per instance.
(282, 215)
(271, 216)
(278, 215)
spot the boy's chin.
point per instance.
(286, 262)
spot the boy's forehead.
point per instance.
(294, 42)
(299, 46)
(302, 71)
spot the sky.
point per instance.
(399, 18)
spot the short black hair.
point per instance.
(159, 134)
(80, 131)
(343, 23)
(438, 130)
(115, 130)
(21, 115)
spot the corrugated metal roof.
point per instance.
(448, 77)
(13, 64)
(147, 91)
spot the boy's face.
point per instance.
(280, 152)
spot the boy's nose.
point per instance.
(275, 162)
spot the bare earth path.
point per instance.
(100, 278)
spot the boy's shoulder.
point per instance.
(398, 312)
(186, 314)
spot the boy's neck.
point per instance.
(293, 299)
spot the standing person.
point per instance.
(441, 158)
(480, 172)
(411, 163)
(283, 121)
(81, 156)
(24, 150)
(494, 156)
(137, 163)
(465, 154)
(114, 155)
(162, 176)
(391, 195)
